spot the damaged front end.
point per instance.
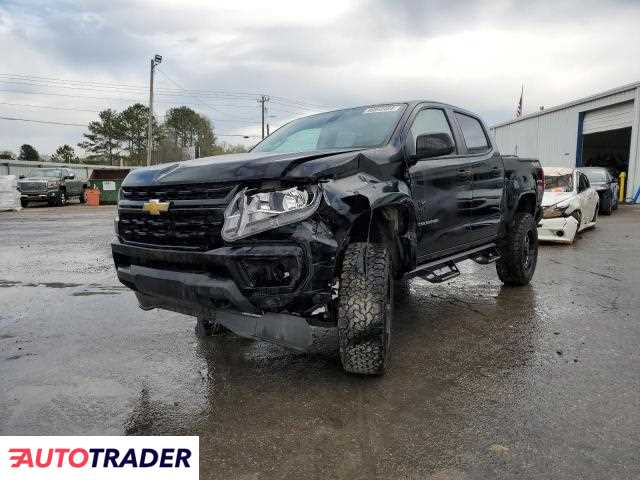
(256, 240)
(273, 259)
(560, 222)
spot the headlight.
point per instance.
(252, 212)
(555, 211)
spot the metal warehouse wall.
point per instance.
(16, 167)
(552, 136)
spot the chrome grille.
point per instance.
(32, 187)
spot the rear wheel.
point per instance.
(607, 204)
(365, 308)
(519, 252)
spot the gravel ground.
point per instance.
(487, 382)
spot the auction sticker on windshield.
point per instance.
(98, 458)
(382, 109)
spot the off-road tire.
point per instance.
(519, 252)
(205, 327)
(365, 308)
(24, 203)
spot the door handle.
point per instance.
(464, 173)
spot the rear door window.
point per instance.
(474, 136)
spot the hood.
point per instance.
(230, 168)
(551, 198)
(36, 179)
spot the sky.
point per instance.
(64, 61)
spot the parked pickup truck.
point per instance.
(312, 227)
(52, 185)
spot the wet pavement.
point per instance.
(486, 382)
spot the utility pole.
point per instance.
(263, 108)
(154, 61)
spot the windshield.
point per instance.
(362, 127)
(46, 172)
(596, 176)
(558, 183)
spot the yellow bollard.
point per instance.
(621, 179)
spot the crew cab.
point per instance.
(52, 185)
(312, 227)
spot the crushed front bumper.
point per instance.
(559, 230)
(225, 284)
(291, 269)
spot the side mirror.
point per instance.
(433, 145)
(69, 177)
(21, 177)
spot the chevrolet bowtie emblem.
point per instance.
(155, 207)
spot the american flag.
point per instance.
(519, 109)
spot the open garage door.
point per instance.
(606, 138)
(608, 149)
(613, 117)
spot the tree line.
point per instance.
(121, 138)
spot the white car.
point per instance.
(569, 205)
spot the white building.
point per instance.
(600, 130)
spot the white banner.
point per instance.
(97, 458)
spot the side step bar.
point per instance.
(431, 271)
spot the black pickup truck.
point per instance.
(313, 227)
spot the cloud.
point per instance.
(337, 53)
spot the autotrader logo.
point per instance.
(71, 458)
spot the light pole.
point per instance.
(154, 61)
(263, 109)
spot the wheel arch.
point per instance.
(394, 224)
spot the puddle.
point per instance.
(100, 289)
(19, 355)
(88, 293)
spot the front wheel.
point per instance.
(24, 203)
(61, 201)
(365, 308)
(519, 252)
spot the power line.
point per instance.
(137, 100)
(29, 120)
(43, 121)
(51, 107)
(181, 91)
(194, 96)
